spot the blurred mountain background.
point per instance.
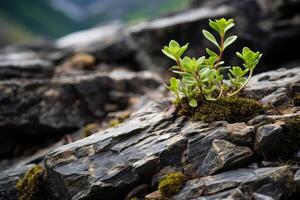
(22, 20)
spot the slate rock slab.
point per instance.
(27, 64)
(116, 160)
(32, 109)
(262, 180)
(223, 155)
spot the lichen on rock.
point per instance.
(171, 184)
(29, 186)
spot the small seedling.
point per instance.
(201, 78)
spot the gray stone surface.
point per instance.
(26, 64)
(31, 109)
(262, 180)
(264, 84)
(110, 163)
(269, 140)
(118, 159)
(223, 155)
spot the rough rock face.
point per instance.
(132, 153)
(183, 27)
(223, 155)
(109, 44)
(43, 107)
(67, 101)
(261, 24)
(240, 182)
(265, 84)
(112, 162)
(24, 65)
(269, 139)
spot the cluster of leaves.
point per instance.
(203, 78)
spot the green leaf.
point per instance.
(229, 27)
(193, 103)
(175, 67)
(240, 55)
(174, 44)
(201, 60)
(229, 41)
(182, 50)
(168, 54)
(181, 73)
(204, 71)
(214, 26)
(210, 37)
(210, 52)
(209, 98)
(174, 82)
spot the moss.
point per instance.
(29, 186)
(119, 118)
(114, 122)
(90, 129)
(234, 109)
(171, 184)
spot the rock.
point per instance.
(8, 180)
(262, 181)
(269, 139)
(26, 64)
(269, 119)
(241, 133)
(297, 180)
(264, 84)
(110, 44)
(117, 158)
(223, 155)
(257, 196)
(259, 121)
(153, 196)
(295, 90)
(275, 27)
(139, 191)
(87, 40)
(229, 194)
(278, 98)
(184, 27)
(201, 137)
(111, 163)
(32, 109)
(133, 152)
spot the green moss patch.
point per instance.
(171, 185)
(90, 129)
(235, 109)
(29, 186)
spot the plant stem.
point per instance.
(244, 85)
(179, 64)
(221, 51)
(221, 92)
